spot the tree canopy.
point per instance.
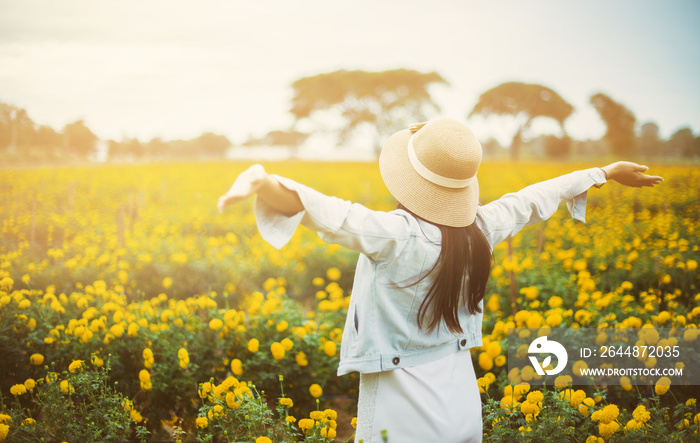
(525, 102)
(385, 101)
(620, 123)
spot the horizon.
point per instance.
(175, 69)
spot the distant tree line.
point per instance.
(347, 103)
(23, 139)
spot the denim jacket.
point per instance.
(381, 329)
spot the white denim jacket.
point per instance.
(381, 330)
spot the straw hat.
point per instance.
(431, 170)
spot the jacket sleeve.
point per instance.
(509, 214)
(373, 233)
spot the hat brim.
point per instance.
(455, 207)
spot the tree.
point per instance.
(620, 123)
(211, 144)
(682, 143)
(525, 102)
(649, 142)
(383, 101)
(17, 130)
(80, 140)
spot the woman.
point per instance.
(416, 303)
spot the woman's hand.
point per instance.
(630, 174)
(245, 185)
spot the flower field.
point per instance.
(131, 309)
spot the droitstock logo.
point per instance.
(543, 346)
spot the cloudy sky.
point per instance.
(176, 68)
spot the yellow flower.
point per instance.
(606, 430)
(202, 422)
(236, 367)
(329, 348)
(36, 359)
(253, 345)
(305, 424)
(578, 366)
(317, 415)
(641, 414)
(301, 359)
(66, 387)
(263, 440)
(282, 326)
(315, 390)
(4, 430)
(97, 361)
(277, 351)
(535, 397)
(290, 419)
(662, 386)
(76, 366)
(135, 415)
(626, 383)
(286, 402)
(333, 274)
(232, 401)
(29, 384)
(606, 415)
(18, 390)
(353, 422)
(330, 414)
(562, 381)
(216, 324)
(328, 432)
(167, 282)
(287, 344)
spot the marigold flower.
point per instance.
(641, 414)
(305, 424)
(202, 422)
(301, 359)
(4, 418)
(135, 415)
(76, 366)
(315, 390)
(662, 385)
(282, 326)
(29, 384)
(253, 345)
(236, 366)
(353, 422)
(606, 415)
(216, 324)
(329, 348)
(17, 390)
(36, 359)
(287, 344)
(333, 274)
(4, 430)
(277, 351)
(286, 402)
(562, 381)
(263, 440)
(66, 387)
(606, 430)
(290, 419)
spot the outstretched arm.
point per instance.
(630, 174)
(255, 180)
(506, 216)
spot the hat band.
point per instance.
(433, 177)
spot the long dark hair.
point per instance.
(465, 258)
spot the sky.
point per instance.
(177, 68)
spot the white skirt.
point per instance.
(435, 402)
